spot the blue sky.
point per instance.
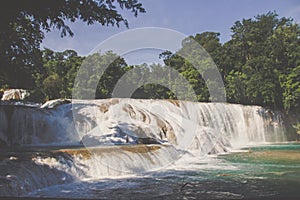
(188, 17)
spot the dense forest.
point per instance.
(260, 65)
(23, 25)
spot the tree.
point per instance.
(51, 86)
(111, 75)
(262, 83)
(236, 88)
(261, 53)
(60, 67)
(210, 41)
(198, 66)
(23, 24)
(291, 94)
(98, 75)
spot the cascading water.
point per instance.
(126, 136)
(106, 120)
(22, 125)
(16, 94)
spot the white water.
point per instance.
(176, 128)
(15, 94)
(113, 121)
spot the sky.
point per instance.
(187, 17)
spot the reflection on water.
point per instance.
(268, 172)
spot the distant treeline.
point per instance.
(259, 65)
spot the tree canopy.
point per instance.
(24, 23)
(259, 64)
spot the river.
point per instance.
(133, 149)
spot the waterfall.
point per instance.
(177, 127)
(20, 175)
(123, 136)
(16, 94)
(120, 121)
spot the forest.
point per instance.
(259, 65)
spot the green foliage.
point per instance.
(157, 82)
(56, 75)
(52, 85)
(235, 87)
(191, 74)
(260, 64)
(297, 127)
(262, 56)
(291, 86)
(24, 23)
(98, 75)
(111, 75)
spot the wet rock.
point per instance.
(148, 141)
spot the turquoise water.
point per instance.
(264, 172)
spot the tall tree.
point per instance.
(56, 76)
(261, 51)
(291, 94)
(23, 24)
(98, 75)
